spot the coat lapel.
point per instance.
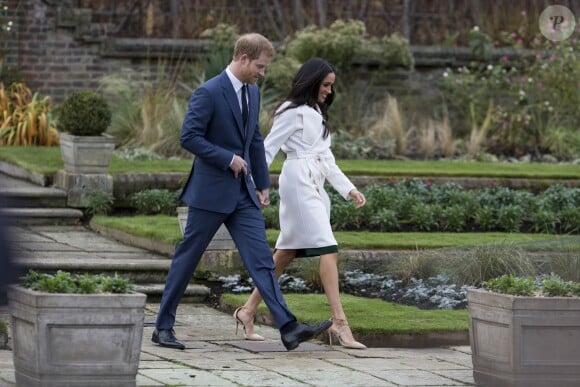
(232, 101)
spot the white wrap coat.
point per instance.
(304, 204)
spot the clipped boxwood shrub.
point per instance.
(84, 113)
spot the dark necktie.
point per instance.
(244, 106)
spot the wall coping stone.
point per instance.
(425, 56)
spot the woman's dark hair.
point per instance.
(306, 85)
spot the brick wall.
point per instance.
(48, 57)
(57, 50)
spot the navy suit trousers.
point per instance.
(246, 226)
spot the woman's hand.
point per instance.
(263, 196)
(358, 198)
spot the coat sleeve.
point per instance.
(257, 155)
(194, 129)
(336, 177)
(285, 124)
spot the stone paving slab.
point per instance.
(268, 346)
(143, 381)
(7, 378)
(19, 234)
(259, 378)
(138, 255)
(158, 364)
(463, 376)
(185, 377)
(44, 246)
(230, 363)
(89, 241)
(415, 378)
(433, 364)
(81, 260)
(372, 364)
(319, 372)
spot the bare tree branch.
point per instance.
(268, 12)
(407, 4)
(174, 10)
(321, 8)
(363, 9)
(298, 14)
(475, 14)
(278, 10)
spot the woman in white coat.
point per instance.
(301, 131)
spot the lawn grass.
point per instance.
(160, 228)
(452, 168)
(165, 229)
(39, 159)
(368, 315)
(47, 160)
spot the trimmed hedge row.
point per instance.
(415, 205)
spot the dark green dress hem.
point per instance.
(302, 253)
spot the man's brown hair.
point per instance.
(253, 45)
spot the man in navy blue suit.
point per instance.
(228, 184)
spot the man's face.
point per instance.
(252, 70)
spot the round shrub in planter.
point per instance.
(84, 113)
(83, 119)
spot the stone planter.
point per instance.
(524, 341)
(222, 239)
(86, 154)
(76, 339)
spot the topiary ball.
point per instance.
(84, 113)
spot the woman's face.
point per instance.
(325, 87)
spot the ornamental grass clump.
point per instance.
(64, 282)
(25, 117)
(473, 266)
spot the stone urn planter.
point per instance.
(84, 116)
(222, 239)
(76, 339)
(524, 341)
(86, 154)
(86, 150)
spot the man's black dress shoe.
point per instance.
(166, 338)
(294, 333)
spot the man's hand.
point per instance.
(264, 196)
(239, 165)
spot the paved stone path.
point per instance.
(216, 356)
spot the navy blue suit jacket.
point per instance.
(213, 131)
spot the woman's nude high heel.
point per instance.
(341, 330)
(248, 327)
